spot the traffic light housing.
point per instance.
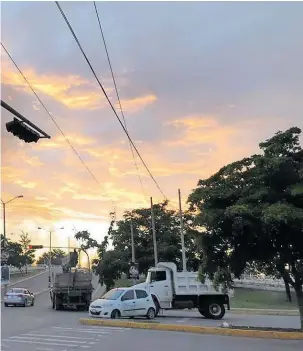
(23, 132)
(35, 247)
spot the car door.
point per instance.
(142, 301)
(128, 303)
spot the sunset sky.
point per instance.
(201, 85)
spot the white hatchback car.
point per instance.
(124, 302)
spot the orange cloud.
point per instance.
(138, 103)
(73, 91)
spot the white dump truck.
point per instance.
(182, 290)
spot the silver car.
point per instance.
(19, 297)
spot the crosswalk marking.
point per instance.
(53, 338)
(60, 338)
(41, 343)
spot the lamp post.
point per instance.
(50, 254)
(4, 226)
(4, 215)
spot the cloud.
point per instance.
(137, 104)
(73, 91)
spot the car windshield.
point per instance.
(16, 291)
(113, 294)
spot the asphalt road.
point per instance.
(40, 328)
(194, 318)
(34, 284)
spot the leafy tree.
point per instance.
(56, 257)
(252, 211)
(29, 254)
(86, 242)
(167, 225)
(16, 257)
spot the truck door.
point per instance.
(160, 284)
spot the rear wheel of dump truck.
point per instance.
(58, 304)
(214, 311)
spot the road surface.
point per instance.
(40, 328)
(34, 284)
(194, 318)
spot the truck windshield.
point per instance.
(156, 276)
(113, 294)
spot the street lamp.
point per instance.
(4, 226)
(4, 215)
(50, 253)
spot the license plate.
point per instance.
(94, 310)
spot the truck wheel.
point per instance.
(215, 311)
(157, 305)
(115, 314)
(202, 312)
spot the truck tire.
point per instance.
(58, 305)
(157, 305)
(214, 310)
(201, 311)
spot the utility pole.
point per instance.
(50, 258)
(154, 231)
(4, 225)
(182, 233)
(132, 240)
(4, 229)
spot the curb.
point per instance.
(255, 311)
(265, 312)
(260, 334)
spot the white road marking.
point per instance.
(45, 339)
(90, 329)
(41, 343)
(183, 320)
(44, 349)
(58, 336)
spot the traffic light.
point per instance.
(23, 132)
(34, 247)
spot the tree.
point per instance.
(252, 211)
(167, 225)
(56, 257)
(86, 242)
(29, 254)
(16, 257)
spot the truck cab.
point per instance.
(180, 290)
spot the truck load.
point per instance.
(173, 290)
(72, 289)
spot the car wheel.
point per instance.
(215, 311)
(151, 313)
(115, 314)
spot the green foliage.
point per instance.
(29, 254)
(56, 257)
(111, 264)
(16, 256)
(252, 213)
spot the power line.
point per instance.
(105, 94)
(52, 118)
(117, 93)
